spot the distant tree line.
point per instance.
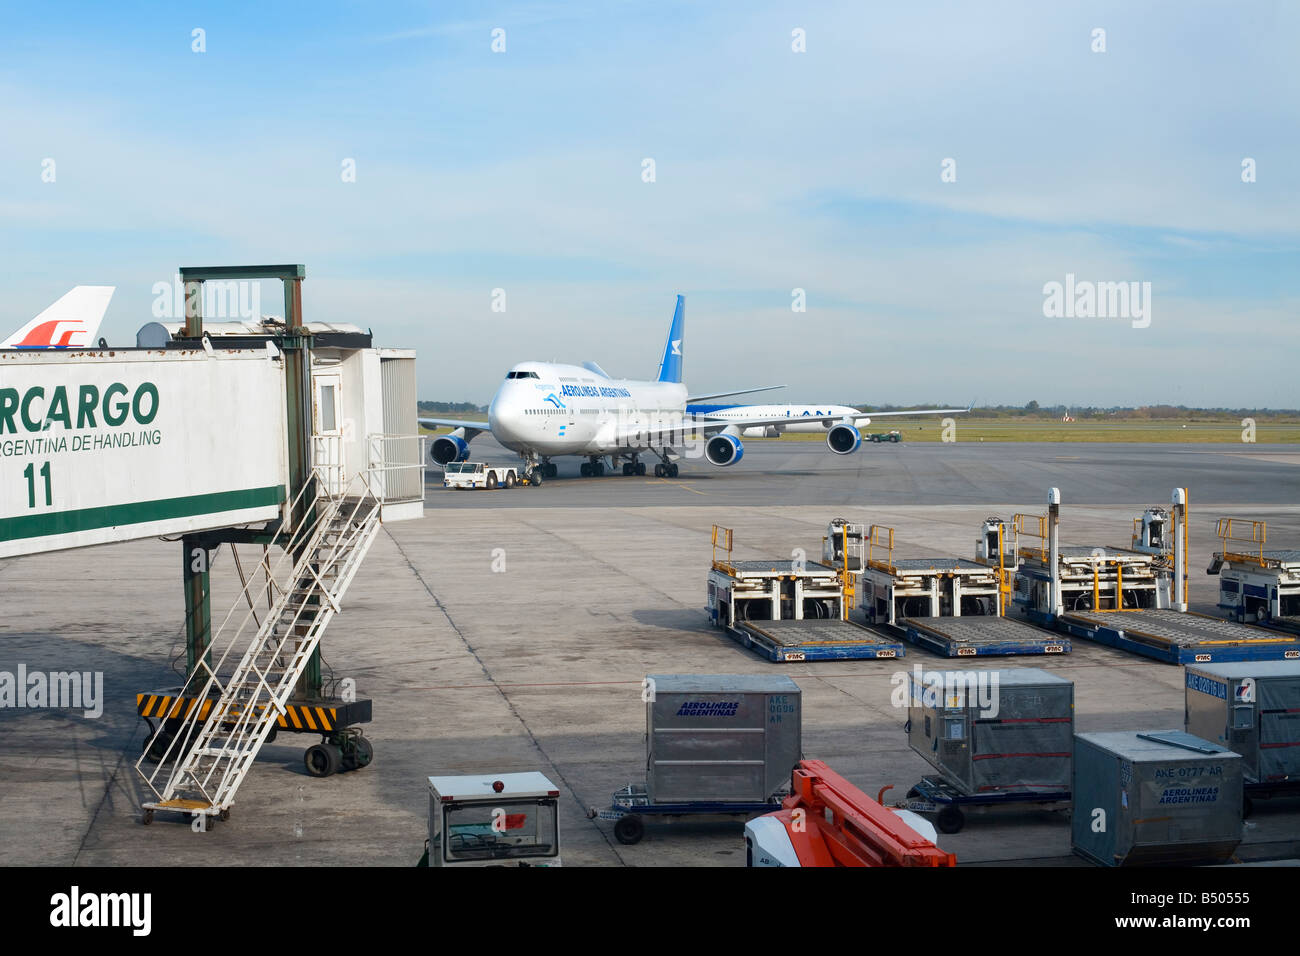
(451, 407)
(1089, 412)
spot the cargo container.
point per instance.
(1252, 709)
(1155, 797)
(717, 745)
(724, 738)
(1012, 733)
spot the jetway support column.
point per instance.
(196, 560)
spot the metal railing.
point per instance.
(1020, 525)
(1225, 532)
(722, 539)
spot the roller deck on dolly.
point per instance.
(947, 605)
(1134, 599)
(789, 610)
(1181, 637)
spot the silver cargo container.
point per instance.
(720, 738)
(1154, 797)
(1016, 739)
(1252, 708)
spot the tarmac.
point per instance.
(511, 630)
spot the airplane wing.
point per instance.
(70, 323)
(471, 428)
(743, 391)
(916, 411)
(706, 425)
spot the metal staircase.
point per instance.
(212, 750)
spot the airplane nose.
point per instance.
(502, 416)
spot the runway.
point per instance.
(805, 472)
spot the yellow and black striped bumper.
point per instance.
(306, 717)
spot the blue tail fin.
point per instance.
(670, 368)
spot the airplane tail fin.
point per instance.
(670, 368)
(70, 323)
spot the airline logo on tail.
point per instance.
(670, 366)
(70, 323)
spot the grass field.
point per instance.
(1054, 430)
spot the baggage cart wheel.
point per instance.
(950, 819)
(322, 760)
(629, 829)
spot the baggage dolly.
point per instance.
(937, 796)
(631, 809)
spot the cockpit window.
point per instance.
(521, 375)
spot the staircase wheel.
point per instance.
(147, 817)
(225, 814)
(322, 760)
(363, 753)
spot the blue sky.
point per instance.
(775, 170)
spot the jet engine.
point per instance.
(450, 447)
(724, 449)
(843, 439)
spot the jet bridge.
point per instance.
(299, 439)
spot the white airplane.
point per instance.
(544, 410)
(807, 419)
(70, 323)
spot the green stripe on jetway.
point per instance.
(89, 519)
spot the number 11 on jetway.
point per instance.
(30, 474)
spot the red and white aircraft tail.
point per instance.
(70, 323)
